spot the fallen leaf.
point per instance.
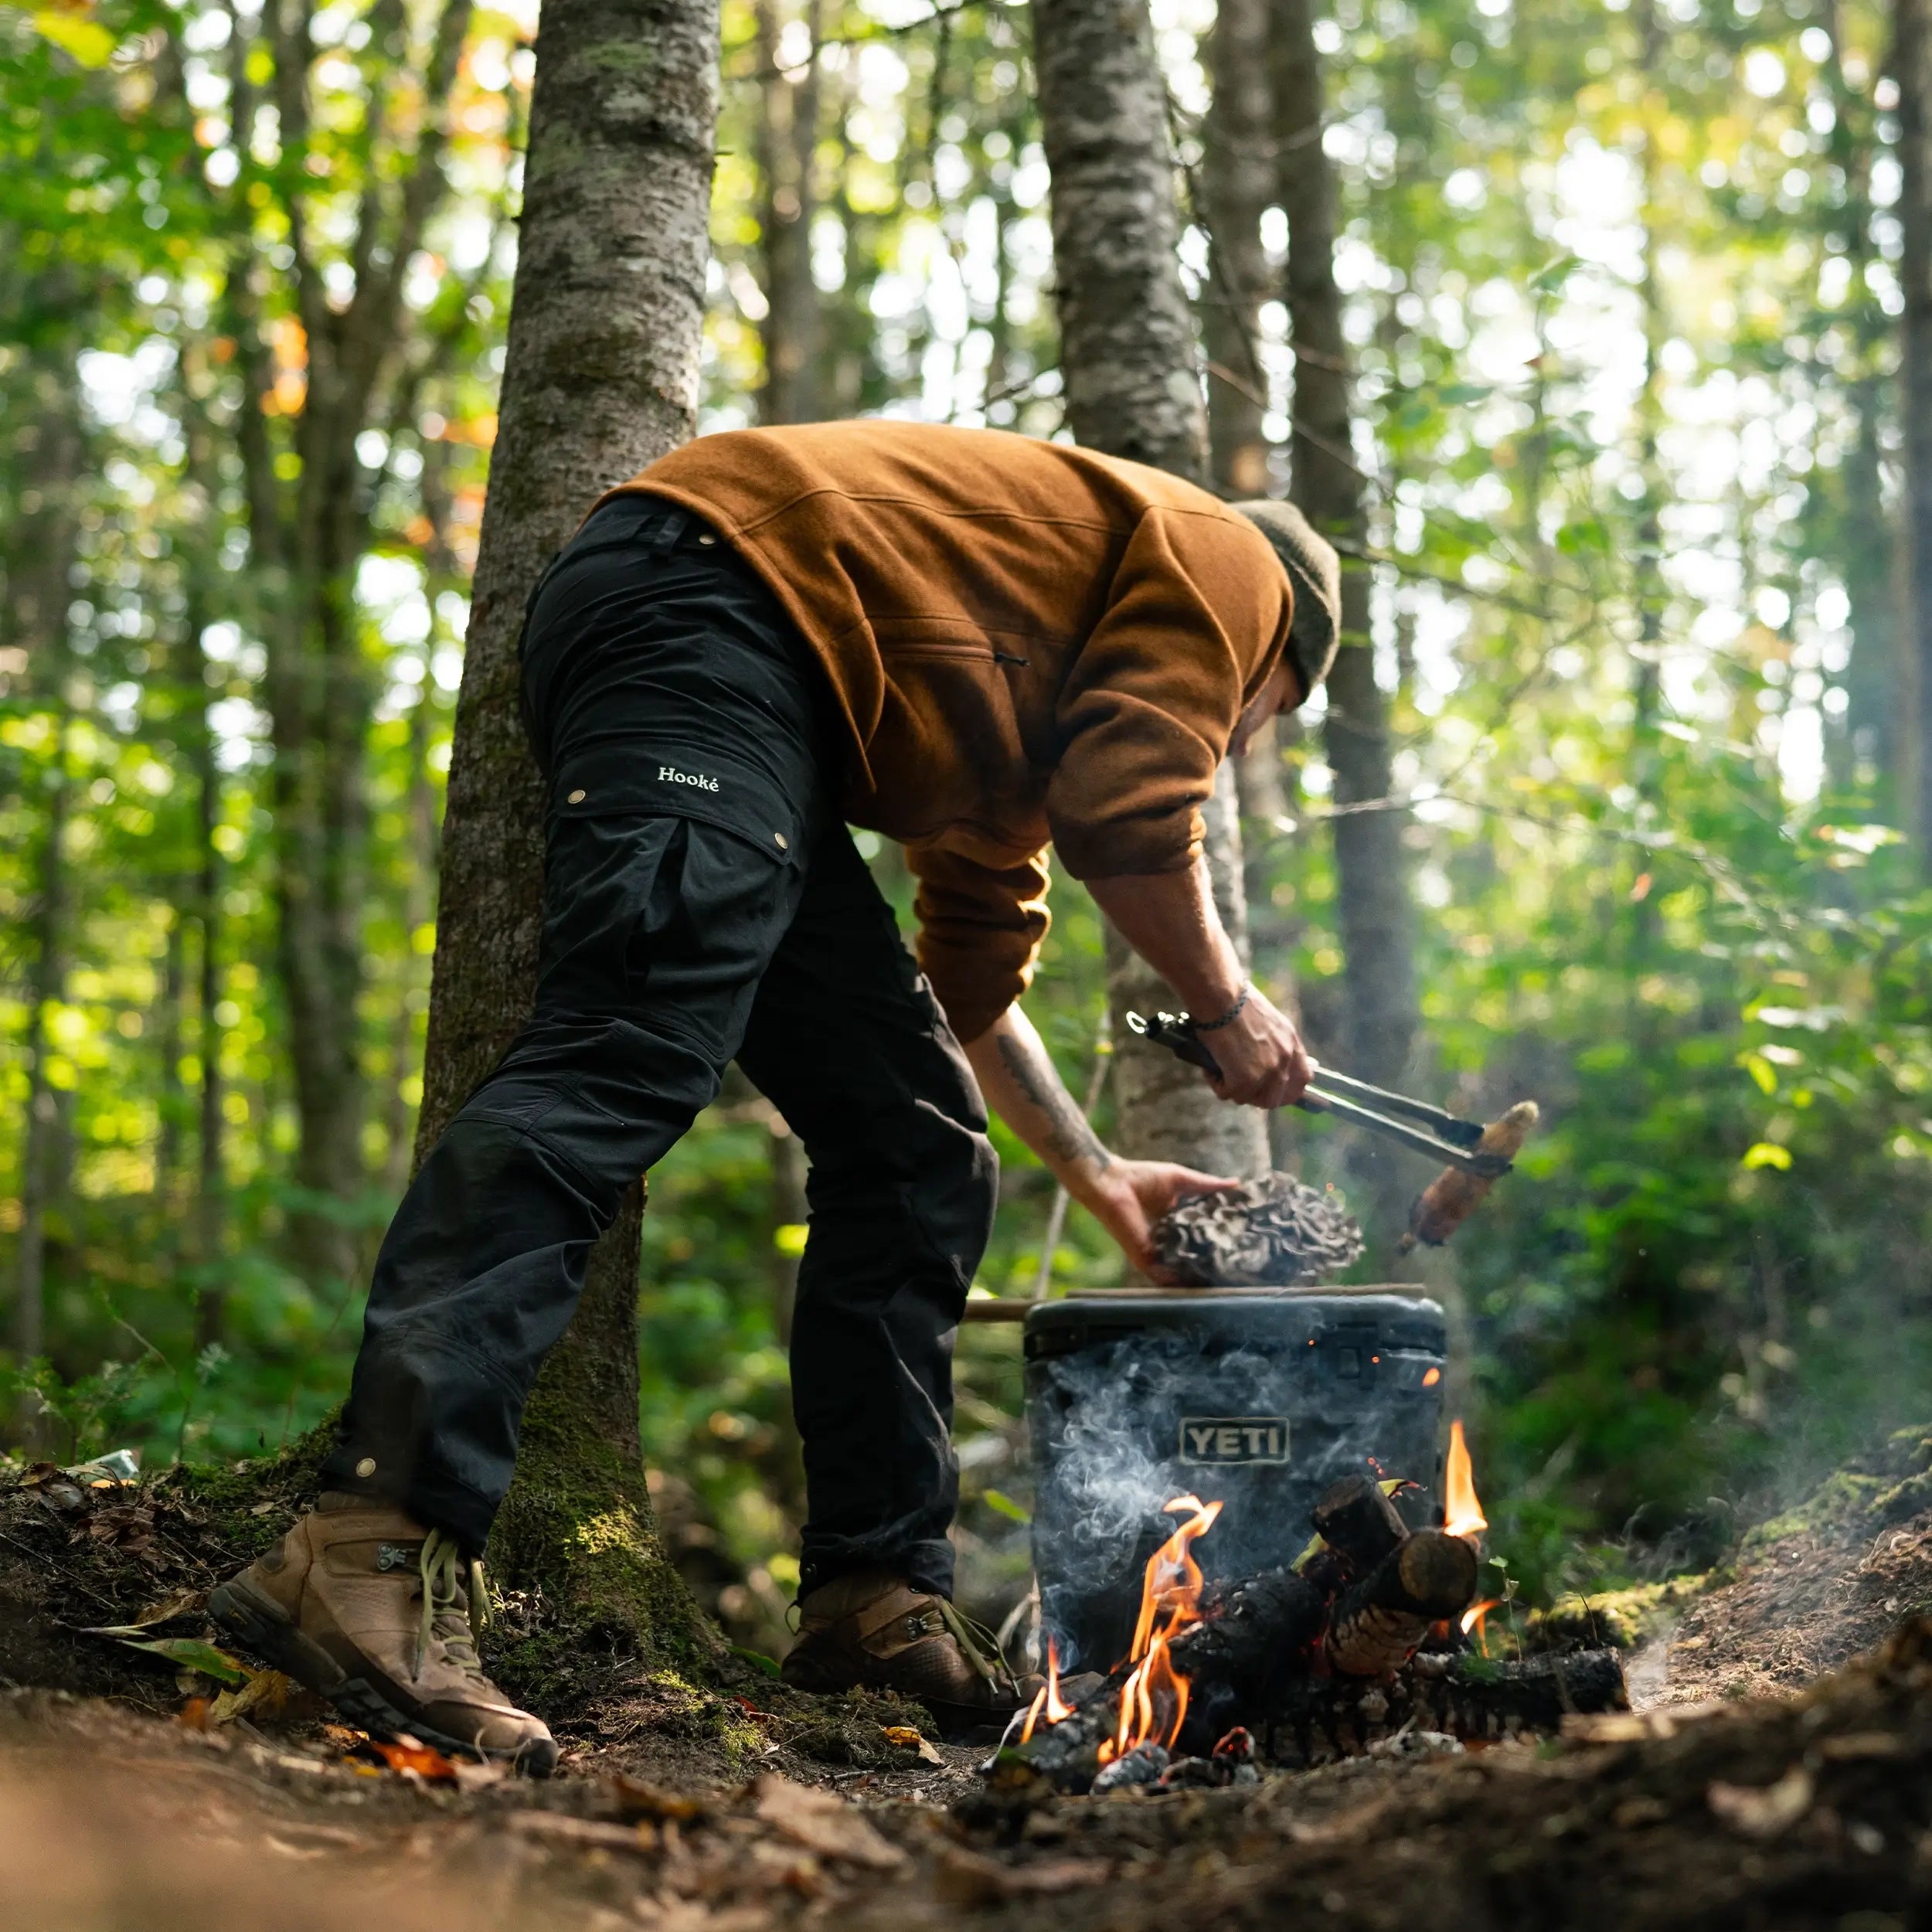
(557, 1828)
(190, 1653)
(972, 1879)
(907, 1735)
(344, 1737)
(635, 1799)
(267, 1694)
(193, 1715)
(415, 1760)
(751, 1709)
(823, 1823)
(1763, 1812)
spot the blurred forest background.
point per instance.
(1635, 301)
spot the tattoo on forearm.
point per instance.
(1068, 1135)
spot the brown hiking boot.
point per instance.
(363, 1605)
(875, 1631)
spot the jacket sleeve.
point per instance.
(980, 925)
(1196, 618)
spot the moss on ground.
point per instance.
(1618, 1619)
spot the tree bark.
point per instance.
(1134, 389)
(787, 144)
(34, 617)
(1912, 63)
(1237, 184)
(1373, 907)
(601, 377)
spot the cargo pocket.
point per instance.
(627, 779)
(672, 877)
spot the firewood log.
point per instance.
(1378, 1622)
(1318, 1719)
(1355, 1517)
(1455, 1194)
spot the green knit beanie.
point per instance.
(1315, 572)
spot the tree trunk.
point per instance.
(1911, 62)
(1237, 183)
(787, 144)
(601, 377)
(34, 619)
(211, 1191)
(1373, 900)
(1133, 389)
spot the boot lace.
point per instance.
(975, 1640)
(456, 1616)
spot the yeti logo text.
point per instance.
(670, 775)
(1205, 1439)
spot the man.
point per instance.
(974, 643)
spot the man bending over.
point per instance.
(980, 645)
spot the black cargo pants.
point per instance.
(703, 901)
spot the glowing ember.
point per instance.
(1047, 1702)
(1462, 1512)
(1153, 1699)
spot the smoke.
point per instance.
(1260, 1407)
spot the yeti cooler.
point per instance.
(1257, 1398)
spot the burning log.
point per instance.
(1319, 1720)
(1378, 1623)
(1355, 1517)
(1252, 1640)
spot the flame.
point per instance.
(1048, 1701)
(1153, 1699)
(1477, 1617)
(1463, 1513)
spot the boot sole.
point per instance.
(266, 1630)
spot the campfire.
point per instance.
(1366, 1636)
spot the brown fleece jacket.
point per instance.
(1029, 645)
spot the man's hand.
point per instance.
(1127, 1197)
(1262, 1060)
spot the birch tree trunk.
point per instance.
(1134, 389)
(601, 378)
(1373, 907)
(1912, 63)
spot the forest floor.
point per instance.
(1763, 1779)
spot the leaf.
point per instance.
(267, 1694)
(190, 1653)
(1001, 1504)
(825, 1823)
(636, 1799)
(908, 1738)
(757, 1659)
(415, 1760)
(85, 42)
(1766, 1153)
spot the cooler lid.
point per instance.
(1389, 1315)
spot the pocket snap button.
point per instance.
(366, 1468)
(779, 839)
(706, 537)
(576, 797)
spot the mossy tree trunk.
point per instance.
(601, 378)
(1134, 389)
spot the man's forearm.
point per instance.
(1170, 920)
(1017, 1077)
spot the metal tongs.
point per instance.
(1453, 1141)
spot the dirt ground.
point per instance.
(1766, 1783)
